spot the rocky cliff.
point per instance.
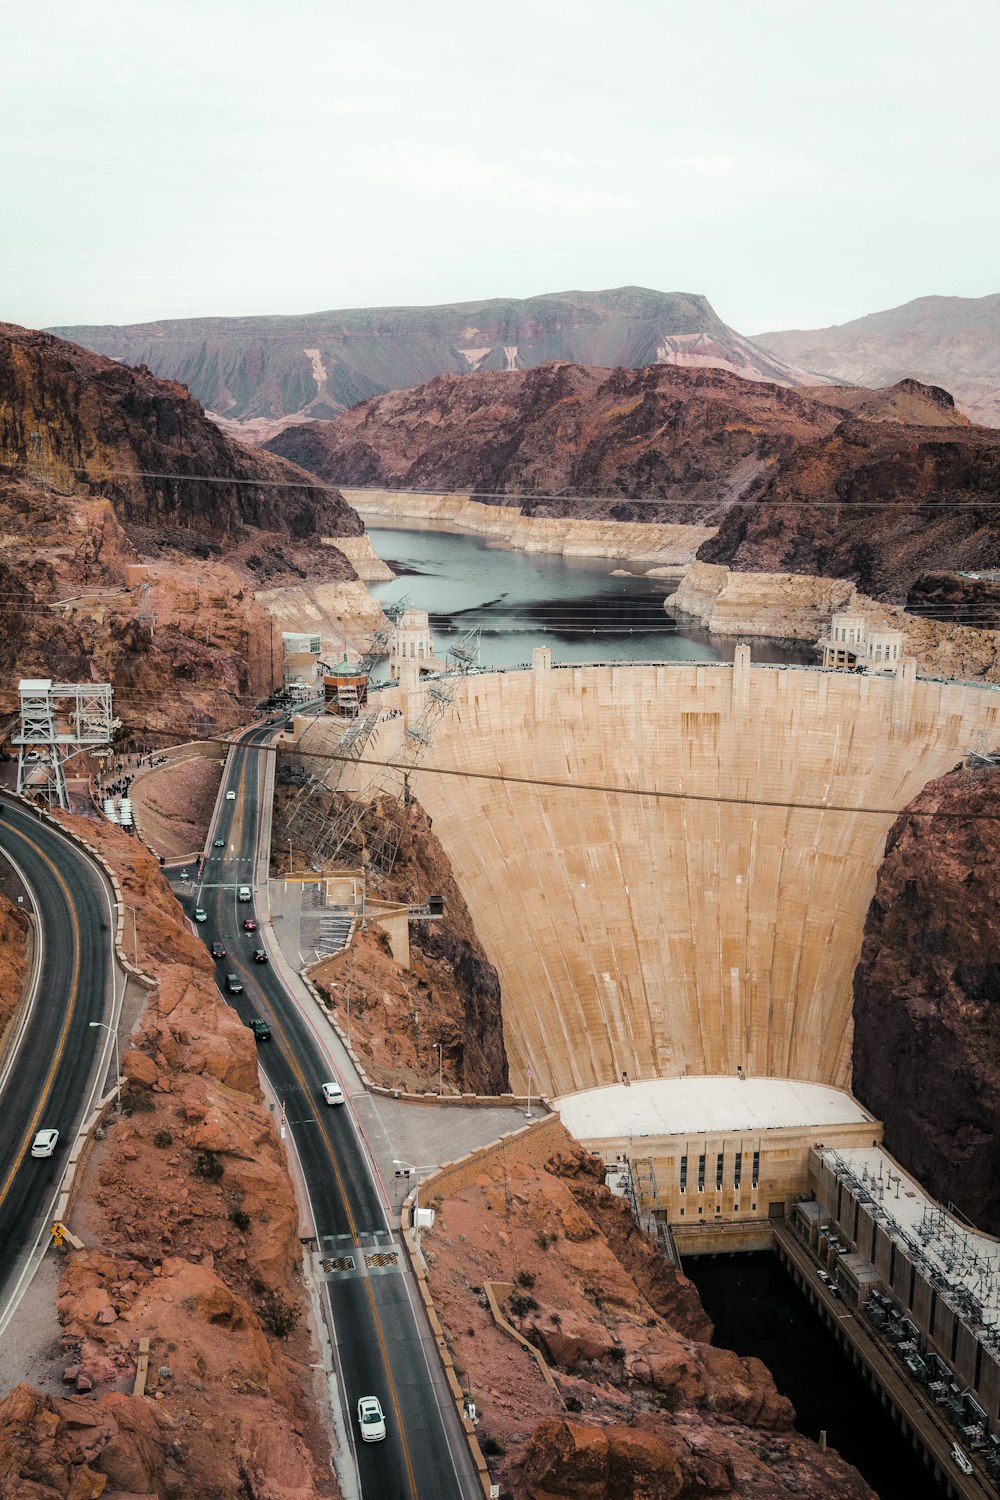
(696, 438)
(641, 1404)
(191, 1229)
(98, 467)
(949, 341)
(927, 994)
(878, 503)
(85, 424)
(319, 364)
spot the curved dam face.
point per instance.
(662, 935)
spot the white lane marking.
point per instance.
(37, 1252)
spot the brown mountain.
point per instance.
(927, 994)
(949, 341)
(694, 438)
(701, 441)
(319, 364)
(77, 421)
(101, 468)
(879, 503)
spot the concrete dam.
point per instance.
(642, 926)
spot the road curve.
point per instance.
(50, 1078)
(383, 1345)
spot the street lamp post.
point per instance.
(114, 1031)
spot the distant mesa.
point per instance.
(317, 365)
(950, 341)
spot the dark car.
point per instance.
(233, 984)
(259, 956)
(260, 1029)
(250, 925)
(218, 951)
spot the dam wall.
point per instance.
(640, 922)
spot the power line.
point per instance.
(550, 784)
(905, 507)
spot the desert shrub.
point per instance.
(279, 1317)
(240, 1218)
(545, 1240)
(617, 1353)
(573, 1403)
(163, 1138)
(136, 1101)
(208, 1166)
(492, 1447)
(525, 1278)
(520, 1304)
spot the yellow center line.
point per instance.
(46, 1089)
(293, 1063)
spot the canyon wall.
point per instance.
(667, 546)
(927, 993)
(661, 934)
(799, 606)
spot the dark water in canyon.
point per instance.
(521, 600)
(757, 1309)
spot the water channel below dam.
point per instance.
(577, 607)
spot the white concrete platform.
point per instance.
(707, 1105)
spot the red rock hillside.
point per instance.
(643, 1405)
(93, 459)
(927, 994)
(191, 1229)
(877, 503)
(86, 424)
(694, 437)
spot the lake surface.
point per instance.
(758, 1309)
(517, 600)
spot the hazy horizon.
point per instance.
(797, 166)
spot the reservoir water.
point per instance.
(518, 600)
(757, 1309)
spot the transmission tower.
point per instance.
(307, 818)
(146, 615)
(465, 653)
(342, 837)
(59, 720)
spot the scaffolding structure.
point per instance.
(58, 721)
(644, 1196)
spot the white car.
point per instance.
(44, 1144)
(230, 796)
(244, 893)
(371, 1420)
(333, 1093)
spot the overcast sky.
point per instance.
(800, 162)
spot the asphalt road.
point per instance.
(47, 1082)
(383, 1349)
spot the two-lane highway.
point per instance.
(49, 1079)
(383, 1344)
